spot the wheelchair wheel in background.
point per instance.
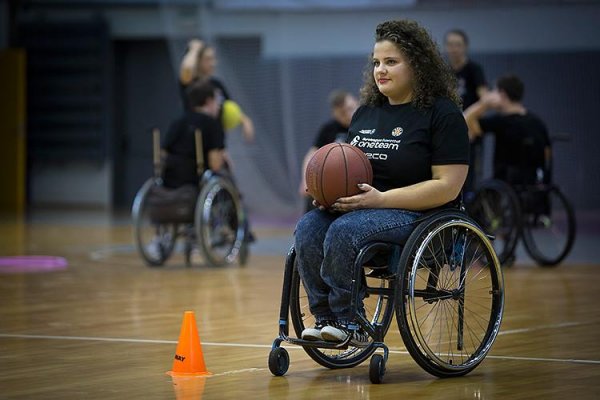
(548, 225)
(154, 241)
(220, 222)
(378, 308)
(496, 209)
(449, 303)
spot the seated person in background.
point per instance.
(343, 105)
(522, 144)
(179, 143)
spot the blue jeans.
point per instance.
(327, 245)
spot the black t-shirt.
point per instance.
(469, 78)
(520, 143)
(403, 142)
(331, 132)
(180, 144)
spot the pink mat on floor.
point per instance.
(19, 264)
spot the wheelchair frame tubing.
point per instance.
(286, 294)
(374, 330)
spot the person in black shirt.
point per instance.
(343, 105)
(470, 77)
(522, 143)
(413, 132)
(471, 86)
(199, 63)
(179, 143)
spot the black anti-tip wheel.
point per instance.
(377, 369)
(279, 361)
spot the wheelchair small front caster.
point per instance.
(279, 361)
(377, 369)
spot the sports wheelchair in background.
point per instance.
(526, 205)
(209, 216)
(445, 285)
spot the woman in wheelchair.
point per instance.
(412, 129)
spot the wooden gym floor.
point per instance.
(106, 327)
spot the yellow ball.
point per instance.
(232, 115)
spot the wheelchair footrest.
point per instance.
(318, 343)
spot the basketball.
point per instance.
(335, 170)
(232, 115)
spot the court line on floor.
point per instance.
(541, 327)
(266, 346)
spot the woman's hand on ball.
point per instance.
(370, 198)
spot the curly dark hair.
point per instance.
(433, 77)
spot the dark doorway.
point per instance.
(146, 96)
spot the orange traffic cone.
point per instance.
(188, 356)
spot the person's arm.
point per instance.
(307, 157)
(443, 187)
(189, 64)
(472, 116)
(482, 90)
(247, 128)
(216, 159)
(474, 113)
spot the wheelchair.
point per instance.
(530, 208)
(444, 285)
(209, 217)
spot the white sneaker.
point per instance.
(314, 333)
(339, 333)
(153, 249)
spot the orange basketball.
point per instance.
(335, 170)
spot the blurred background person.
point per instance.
(343, 105)
(469, 75)
(471, 87)
(200, 62)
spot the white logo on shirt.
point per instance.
(375, 143)
(367, 131)
(397, 131)
(376, 156)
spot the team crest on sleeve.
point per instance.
(397, 131)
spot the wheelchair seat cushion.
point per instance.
(172, 205)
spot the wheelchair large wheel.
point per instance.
(548, 225)
(154, 241)
(496, 209)
(449, 299)
(379, 309)
(220, 222)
